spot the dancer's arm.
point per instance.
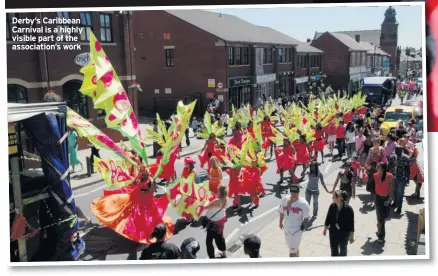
(336, 182)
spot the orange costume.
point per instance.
(416, 173)
(133, 211)
(214, 180)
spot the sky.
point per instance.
(301, 23)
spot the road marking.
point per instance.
(328, 168)
(231, 235)
(260, 216)
(90, 192)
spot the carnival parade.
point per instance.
(282, 150)
(291, 137)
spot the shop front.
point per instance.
(240, 91)
(302, 85)
(266, 86)
(285, 83)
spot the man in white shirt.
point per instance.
(294, 213)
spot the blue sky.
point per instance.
(301, 23)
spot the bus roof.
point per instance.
(376, 80)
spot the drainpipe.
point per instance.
(46, 63)
(227, 100)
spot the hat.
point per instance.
(189, 160)
(159, 231)
(294, 189)
(251, 242)
(191, 246)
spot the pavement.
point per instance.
(105, 244)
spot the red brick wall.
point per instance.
(195, 61)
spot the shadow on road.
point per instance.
(101, 241)
(411, 233)
(372, 248)
(410, 200)
(277, 190)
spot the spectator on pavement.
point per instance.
(190, 248)
(294, 213)
(161, 249)
(251, 245)
(216, 218)
(340, 222)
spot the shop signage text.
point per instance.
(241, 81)
(266, 78)
(13, 143)
(301, 80)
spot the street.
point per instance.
(105, 244)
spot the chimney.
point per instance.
(309, 40)
(357, 38)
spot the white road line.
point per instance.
(328, 168)
(260, 216)
(231, 235)
(90, 192)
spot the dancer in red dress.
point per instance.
(302, 155)
(267, 133)
(208, 150)
(286, 160)
(168, 173)
(319, 142)
(133, 211)
(252, 178)
(235, 186)
(237, 139)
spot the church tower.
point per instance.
(389, 38)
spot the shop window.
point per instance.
(17, 94)
(169, 57)
(106, 34)
(230, 56)
(10, 25)
(65, 15)
(238, 56)
(74, 98)
(245, 60)
(267, 56)
(87, 25)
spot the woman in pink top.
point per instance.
(360, 142)
(377, 153)
(390, 145)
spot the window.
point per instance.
(238, 56)
(357, 59)
(267, 56)
(230, 56)
(61, 30)
(245, 56)
(368, 61)
(9, 24)
(87, 25)
(363, 59)
(106, 28)
(75, 99)
(353, 60)
(288, 55)
(281, 55)
(17, 94)
(170, 57)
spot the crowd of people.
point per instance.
(294, 136)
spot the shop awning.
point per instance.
(18, 112)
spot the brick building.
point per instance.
(30, 74)
(385, 39)
(194, 54)
(309, 67)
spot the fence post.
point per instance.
(87, 160)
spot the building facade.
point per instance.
(309, 69)
(193, 54)
(344, 60)
(31, 74)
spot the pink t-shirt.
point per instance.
(359, 142)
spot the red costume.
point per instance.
(319, 142)
(285, 159)
(302, 154)
(209, 149)
(252, 182)
(235, 184)
(266, 133)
